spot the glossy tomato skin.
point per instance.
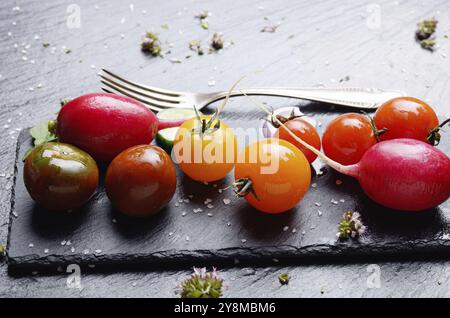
(141, 180)
(195, 153)
(279, 184)
(347, 138)
(60, 177)
(406, 117)
(301, 128)
(105, 124)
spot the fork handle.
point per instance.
(352, 97)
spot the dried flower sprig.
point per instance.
(201, 284)
(196, 46)
(202, 16)
(217, 41)
(351, 226)
(428, 44)
(151, 44)
(425, 30)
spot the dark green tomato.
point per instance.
(60, 177)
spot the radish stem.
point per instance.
(163, 124)
(351, 170)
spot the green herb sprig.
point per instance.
(284, 278)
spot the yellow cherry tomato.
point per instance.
(205, 153)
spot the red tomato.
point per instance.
(406, 117)
(279, 173)
(301, 128)
(347, 138)
(141, 180)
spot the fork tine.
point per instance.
(145, 87)
(114, 90)
(151, 95)
(147, 100)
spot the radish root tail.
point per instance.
(347, 170)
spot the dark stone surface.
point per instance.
(332, 39)
(100, 235)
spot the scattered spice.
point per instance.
(165, 26)
(201, 284)
(46, 44)
(196, 46)
(151, 44)
(344, 79)
(202, 16)
(271, 27)
(350, 226)
(204, 24)
(284, 278)
(425, 30)
(428, 44)
(2, 250)
(217, 41)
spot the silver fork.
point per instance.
(158, 98)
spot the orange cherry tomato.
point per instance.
(141, 180)
(348, 137)
(406, 117)
(279, 174)
(301, 128)
(205, 156)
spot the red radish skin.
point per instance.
(104, 124)
(402, 174)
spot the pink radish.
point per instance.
(402, 174)
(105, 124)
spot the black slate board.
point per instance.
(99, 235)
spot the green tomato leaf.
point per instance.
(43, 132)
